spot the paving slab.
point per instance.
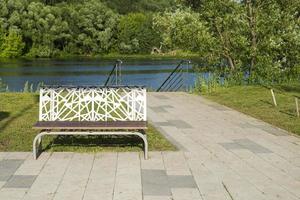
(186, 194)
(160, 96)
(12, 193)
(148, 197)
(155, 183)
(8, 168)
(175, 163)
(3, 155)
(20, 181)
(155, 161)
(31, 166)
(2, 183)
(49, 179)
(181, 181)
(252, 146)
(102, 177)
(128, 184)
(17, 155)
(231, 145)
(75, 178)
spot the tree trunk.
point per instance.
(253, 36)
(226, 51)
(231, 63)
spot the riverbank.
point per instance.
(174, 55)
(256, 101)
(107, 57)
(114, 56)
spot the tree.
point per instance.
(2, 36)
(93, 27)
(260, 36)
(44, 29)
(227, 24)
(137, 6)
(274, 38)
(12, 45)
(183, 29)
(136, 34)
(194, 4)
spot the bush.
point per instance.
(93, 27)
(136, 34)
(183, 29)
(12, 45)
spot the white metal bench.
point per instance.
(88, 110)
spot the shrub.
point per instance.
(136, 34)
(12, 45)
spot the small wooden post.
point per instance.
(297, 107)
(273, 96)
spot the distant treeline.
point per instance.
(261, 37)
(50, 28)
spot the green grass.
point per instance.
(257, 101)
(176, 55)
(169, 55)
(19, 111)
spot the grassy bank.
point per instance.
(114, 56)
(19, 111)
(257, 101)
(177, 55)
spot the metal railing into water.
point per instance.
(114, 77)
(176, 80)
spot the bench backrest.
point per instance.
(124, 103)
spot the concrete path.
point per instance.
(222, 154)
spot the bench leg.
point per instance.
(37, 141)
(146, 147)
(144, 137)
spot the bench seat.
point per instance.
(89, 125)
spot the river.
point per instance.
(146, 72)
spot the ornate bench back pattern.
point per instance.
(124, 103)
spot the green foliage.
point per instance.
(28, 87)
(209, 82)
(132, 6)
(38, 87)
(82, 28)
(258, 37)
(183, 29)
(3, 86)
(12, 45)
(200, 85)
(94, 27)
(2, 37)
(136, 34)
(46, 30)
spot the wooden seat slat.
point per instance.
(90, 125)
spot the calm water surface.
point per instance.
(150, 73)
